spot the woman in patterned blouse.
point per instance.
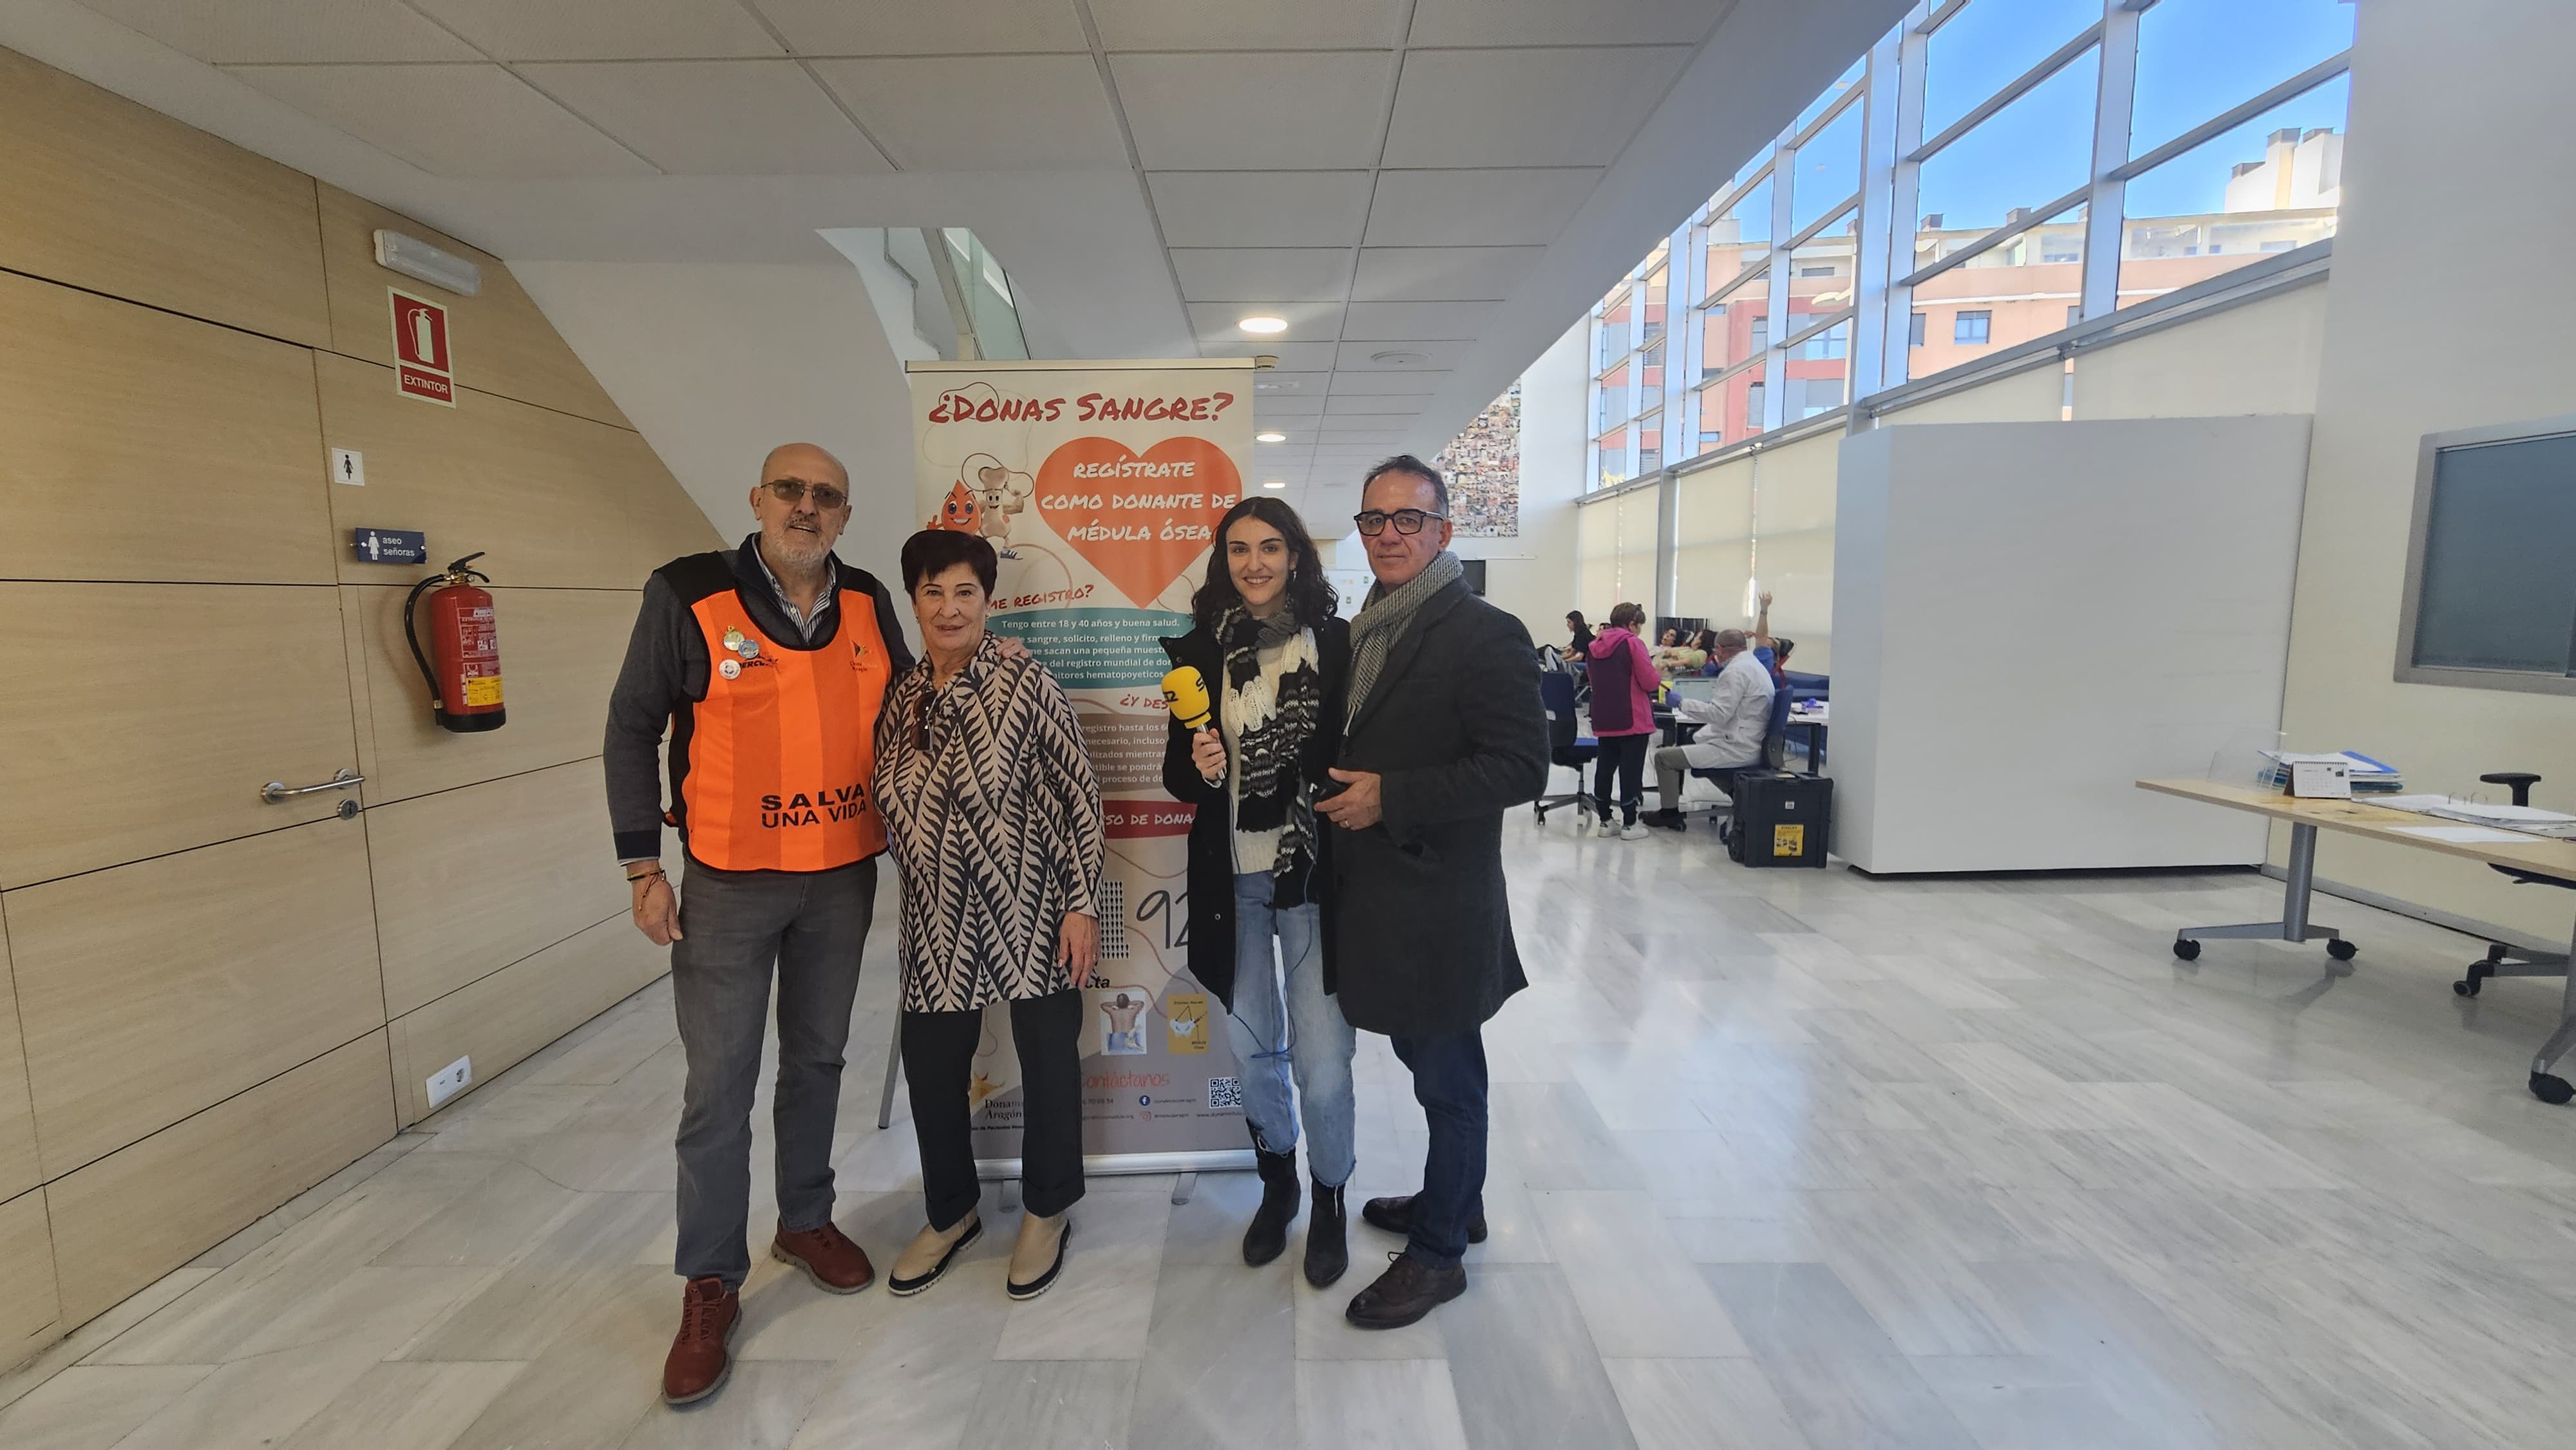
(993, 818)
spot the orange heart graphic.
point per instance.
(1141, 521)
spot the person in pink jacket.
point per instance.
(1623, 718)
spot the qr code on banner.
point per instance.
(1225, 1092)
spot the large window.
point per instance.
(2070, 158)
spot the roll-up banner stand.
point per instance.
(1100, 485)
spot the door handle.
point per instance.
(278, 792)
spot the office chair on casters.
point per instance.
(2503, 960)
(1564, 746)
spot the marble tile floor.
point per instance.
(1780, 1159)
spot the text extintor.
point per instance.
(424, 363)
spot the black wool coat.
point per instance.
(1455, 731)
(1211, 871)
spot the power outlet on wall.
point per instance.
(450, 1080)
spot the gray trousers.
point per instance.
(736, 925)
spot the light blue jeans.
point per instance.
(1283, 1023)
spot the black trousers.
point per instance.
(938, 1055)
(1626, 755)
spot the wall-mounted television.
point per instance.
(2490, 597)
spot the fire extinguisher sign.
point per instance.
(423, 366)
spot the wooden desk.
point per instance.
(2537, 854)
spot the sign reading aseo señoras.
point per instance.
(423, 367)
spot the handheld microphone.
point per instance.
(1185, 690)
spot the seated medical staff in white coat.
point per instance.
(1731, 724)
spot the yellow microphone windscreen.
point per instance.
(1186, 691)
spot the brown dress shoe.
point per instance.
(836, 1265)
(1408, 1290)
(699, 1360)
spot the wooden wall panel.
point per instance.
(131, 1217)
(505, 1017)
(551, 500)
(560, 652)
(152, 990)
(104, 194)
(143, 718)
(30, 1312)
(145, 446)
(500, 342)
(18, 1167)
(469, 881)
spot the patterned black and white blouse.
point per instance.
(993, 817)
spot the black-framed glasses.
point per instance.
(1406, 521)
(789, 490)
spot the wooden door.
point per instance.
(194, 965)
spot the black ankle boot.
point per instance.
(1328, 1248)
(1268, 1236)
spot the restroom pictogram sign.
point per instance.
(423, 366)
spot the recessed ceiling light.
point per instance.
(1274, 483)
(1263, 326)
(1269, 437)
(1399, 358)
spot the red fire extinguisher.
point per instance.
(465, 684)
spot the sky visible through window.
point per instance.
(2196, 58)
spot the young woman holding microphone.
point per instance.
(1275, 658)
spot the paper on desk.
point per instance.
(2460, 835)
(2534, 815)
(2416, 803)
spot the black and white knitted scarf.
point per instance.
(1272, 793)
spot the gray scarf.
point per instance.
(1382, 620)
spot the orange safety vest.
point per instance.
(781, 750)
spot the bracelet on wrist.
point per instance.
(645, 875)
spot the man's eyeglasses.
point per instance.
(789, 490)
(1406, 521)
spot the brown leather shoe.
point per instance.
(699, 1361)
(836, 1265)
(1408, 1290)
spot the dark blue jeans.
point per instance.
(1449, 1081)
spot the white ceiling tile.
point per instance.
(910, 27)
(1238, 274)
(1450, 321)
(1261, 208)
(1215, 324)
(1465, 208)
(288, 30)
(1361, 356)
(1197, 25)
(1555, 22)
(1361, 405)
(1371, 437)
(1288, 405)
(1293, 356)
(1387, 384)
(1473, 107)
(1281, 382)
(602, 29)
(982, 113)
(715, 117)
(451, 120)
(1437, 274)
(1267, 109)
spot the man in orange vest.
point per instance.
(768, 663)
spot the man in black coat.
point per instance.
(1445, 732)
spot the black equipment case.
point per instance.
(1780, 819)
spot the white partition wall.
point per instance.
(2031, 616)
